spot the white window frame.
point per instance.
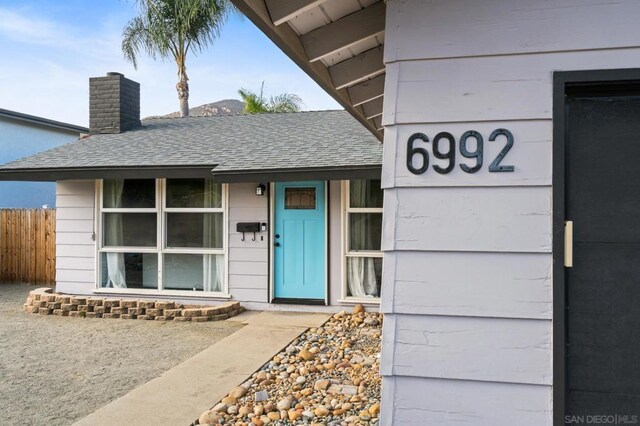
(346, 252)
(160, 210)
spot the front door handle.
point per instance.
(276, 244)
(568, 244)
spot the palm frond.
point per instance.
(256, 103)
(286, 102)
(253, 103)
(134, 39)
(171, 28)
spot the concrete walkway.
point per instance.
(180, 395)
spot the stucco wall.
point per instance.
(19, 139)
(467, 292)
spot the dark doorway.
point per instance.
(599, 190)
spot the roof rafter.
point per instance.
(377, 121)
(345, 32)
(359, 68)
(367, 90)
(372, 108)
(282, 11)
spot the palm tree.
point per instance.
(171, 29)
(256, 103)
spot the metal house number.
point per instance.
(444, 148)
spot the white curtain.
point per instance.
(115, 261)
(361, 274)
(212, 264)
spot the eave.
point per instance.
(338, 43)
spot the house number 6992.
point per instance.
(446, 139)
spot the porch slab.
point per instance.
(180, 395)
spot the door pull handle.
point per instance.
(568, 244)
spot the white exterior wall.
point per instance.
(75, 246)
(467, 286)
(248, 261)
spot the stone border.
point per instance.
(44, 302)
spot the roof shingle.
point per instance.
(233, 143)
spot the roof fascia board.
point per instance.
(290, 175)
(45, 122)
(52, 175)
(288, 41)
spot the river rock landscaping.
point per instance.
(329, 376)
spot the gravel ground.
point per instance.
(56, 370)
(329, 376)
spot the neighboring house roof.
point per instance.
(237, 148)
(45, 122)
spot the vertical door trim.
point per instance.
(272, 227)
(561, 81)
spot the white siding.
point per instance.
(75, 246)
(495, 88)
(248, 264)
(248, 260)
(468, 348)
(416, 29)
(467, 279)
(425, 401)
(468, 219)
(498, 285)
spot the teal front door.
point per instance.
(300, 240)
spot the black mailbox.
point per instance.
(248, 227)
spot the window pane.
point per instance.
(203, 230)
(365, 231)
(365, 193)
(129, 270)
(364, 276)
(300, 198)
(129, 229)
(193, 193)
(129, 193)
(196, 272)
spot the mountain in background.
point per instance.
(223, 107)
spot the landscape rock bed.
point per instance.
(43, 302)
(329, 376)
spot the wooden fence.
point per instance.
(28, 246)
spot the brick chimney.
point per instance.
(114, 104)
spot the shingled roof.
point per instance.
(236, 147)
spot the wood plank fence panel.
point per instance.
(27, 246)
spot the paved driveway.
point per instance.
(55, 370)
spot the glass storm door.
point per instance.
(300, 240)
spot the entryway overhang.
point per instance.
(338, 43)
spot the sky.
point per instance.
(50, 48)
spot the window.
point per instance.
(300, 198)
(162, 235)
(362, 225)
